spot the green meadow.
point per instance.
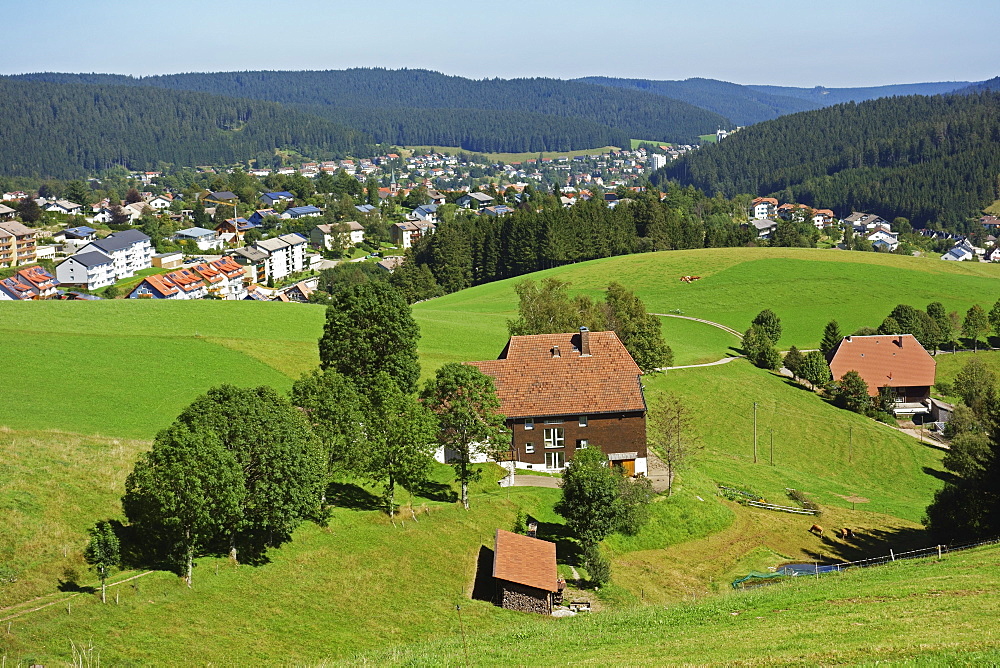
(105, 376)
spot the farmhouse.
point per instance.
(895, 361)
(565, 392)
(524, 573)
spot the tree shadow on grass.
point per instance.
(869, 543)
(567, 547)
(483, 589)
(68, 583)
(436, 491)
(797, 385)
(349, 495)
(946, 476)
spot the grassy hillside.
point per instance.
(805, 287)
(919, 613)
(126, 368)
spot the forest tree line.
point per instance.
(933, 160)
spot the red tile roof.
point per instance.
(229, 267)
(208, 272)
(185, 280)
(524, 560)
(37, 277)
(532, 382)
(162, 284)
(896, 360)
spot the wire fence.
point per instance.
(754, 580)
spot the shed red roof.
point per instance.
(524, 560)
(896, 360)
(532, 381)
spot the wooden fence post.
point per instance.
(891, 554)
(939, 553)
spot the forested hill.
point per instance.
(822, 96)
(989, 84)
(70, 130)
(923, 158)
(383, 103)
(741, 104)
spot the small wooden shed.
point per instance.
(524, 573)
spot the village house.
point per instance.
(232, 230)
(474, 201)
(157, 286)
(894, 361)
(285, 255)
(203, 238)
(17, 244)
(160, 202)
(765, 228)
(565, 392)
(41, 283)
(391, 263)
(962, 251)
(763, 207)
(525, 576)
(11, 289)
(254, 261)
(62, 206)
(6, 212)
(427, 212)
(130, 251)
(407, 233)
(189, 283)
(296, 212)
(91, 270)
(271, 199)
(881, 238)
(325, 236)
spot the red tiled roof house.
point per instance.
(896, 361)
(565, 392)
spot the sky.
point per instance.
(833, 43)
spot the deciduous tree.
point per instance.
(184, 493)
(639, 331)
(332, 406)
(400, 435)
(670, 434)
(369, 330)
(470, 422)
(103, 552)
(769, 324)
(815, 369)
(853, 393)
(976, 384)
(975, 324)
(793, 361)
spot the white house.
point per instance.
(884, 238)
(308, 211)
(962, 251)
(204, 238)
(285, 255)
(765, 227)
(323, 236)
(92, 270)
(159, 202)
(763, 207)
(130, 251)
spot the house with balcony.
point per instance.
(285, 255)
(326, 236)
(12, 289)
(40, 282)
(204, 239)
(189, 283)
(156, 287)
(130, 251)
(763, 207)
(20, 244)
(565, 392)
(91, 270)
(894, 361)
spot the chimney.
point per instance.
(847, 338)
(900, 343)
(584, 342)
(555, 352)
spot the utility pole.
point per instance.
(772, 446)
(755, 432)
(850, 451)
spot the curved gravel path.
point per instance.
(719, 325)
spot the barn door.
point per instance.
(629, 466)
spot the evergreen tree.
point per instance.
(831, 338)
(853, 393)
(793, 361)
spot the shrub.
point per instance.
(598, 567)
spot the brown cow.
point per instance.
(846, 533)
(816, 529)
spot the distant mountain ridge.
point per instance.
(488, 114)
(749, 104)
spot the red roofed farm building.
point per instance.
(896, 361)
(565, 392)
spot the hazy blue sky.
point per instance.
(783, 42)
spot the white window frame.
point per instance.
(555, 420)
(529, 424)
(555, 437)
(582, 443)
(583, 421)
(529, 448)
(555, 457)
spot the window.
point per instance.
(582, 444)
(583, 421)
(555, 437)
(553, 420)
(529, 423)
(529, 448)
(555, 460)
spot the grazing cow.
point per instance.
(816, 529)
(846, 533)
